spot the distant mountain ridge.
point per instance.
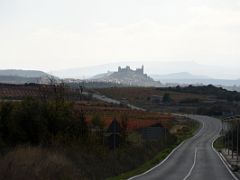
(180, 75)
(15, 76)
(215, 82)
(185, 78)
(19, 80)
(23, 73)
(153, 67)
(103, 75)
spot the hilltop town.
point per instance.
(128, 76)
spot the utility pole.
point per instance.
(225, 134)
(114, 136)
(222, 132)
(237, 138)
(165, 135)
(232, 129)
(228, 138)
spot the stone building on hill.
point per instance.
(129, 77)
(129, 70)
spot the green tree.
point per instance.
(78, 127)
(166, 98)
(26, 123)
(97, 121)
(5, 114)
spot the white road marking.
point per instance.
(224, 163)
(158, 164)
(194, 163)
(195, 157)
(203, 125)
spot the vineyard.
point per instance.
(136, 94)
(18, 92)
(136, 118)
(177, 100)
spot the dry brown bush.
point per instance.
(35, 163)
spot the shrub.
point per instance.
(166, 98)
(26, 124)
(39, 164)
(97, 121)
(35, 122)
(5, 113)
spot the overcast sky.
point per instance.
(59, 34)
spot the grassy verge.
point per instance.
(147, 165)
(193, 128)
(218, 144)
(160, 156)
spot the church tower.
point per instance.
(119, 69)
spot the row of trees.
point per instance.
(51, 122)
(40, 122)
(219, 92)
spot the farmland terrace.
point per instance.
(187, 100)
(19, 92)
(136, 118)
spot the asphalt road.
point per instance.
(195, 159)
(110, 100)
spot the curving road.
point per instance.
(195, 159)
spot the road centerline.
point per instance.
(194, 163)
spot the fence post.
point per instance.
(237, 139)
(228, 138)
(232, 137)
(225, 135)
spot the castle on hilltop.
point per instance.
(128, 69)
(129, 77)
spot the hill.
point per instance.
(103, 75)
(128, 76)
(185, 78)
(19, 80)
(180, 75)
(14, 76)
(23, 73)
(153, 67)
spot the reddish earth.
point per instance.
(136, 118)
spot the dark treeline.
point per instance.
(40, 122)
(219, 92)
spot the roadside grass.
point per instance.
(27, 162)
(218, 144)
(147, 165)
(193, 127)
